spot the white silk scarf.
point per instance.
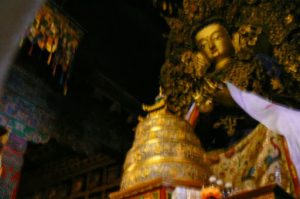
(278, 118)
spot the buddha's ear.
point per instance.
(236, 42)
(201, 64)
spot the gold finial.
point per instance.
(160, 103)
(160, 91)
(289, 19)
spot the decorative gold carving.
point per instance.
(258, 50)
(160, 102)
(246, 38)
(229, 123)
(257, 27)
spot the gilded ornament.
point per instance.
(173, 147)
(289, 19)
(229, 123)
(257, 49)
(276, 84)
(258, 21)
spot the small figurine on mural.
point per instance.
(4, 135)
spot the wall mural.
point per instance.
(12, 160)
(27, 123)
(23, 106)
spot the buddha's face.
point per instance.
(214, 42)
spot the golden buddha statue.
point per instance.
(165, 147)
(262, 31)
(258, 158)
(214, 42)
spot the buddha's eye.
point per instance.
(217, 36)
(202, 44)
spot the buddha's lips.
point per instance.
(214, 53)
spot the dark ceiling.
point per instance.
(123, 41)
(119, 58)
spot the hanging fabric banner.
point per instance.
(54, 32)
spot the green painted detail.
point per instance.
(25, 131)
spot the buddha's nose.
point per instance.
(211, 45)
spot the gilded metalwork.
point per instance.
(166, 147)
(258, 160)
(259, 30)
(253, 44)
(229, 123)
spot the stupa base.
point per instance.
(154, 189)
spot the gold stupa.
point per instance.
(164, 147)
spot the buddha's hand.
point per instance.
(210, 87)
(204, 104)
(207, 106)
(216, 92)
(222, 96)
(204, 96)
